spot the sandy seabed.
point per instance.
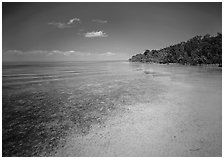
(112, 109)
(174, 115)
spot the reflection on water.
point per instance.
(42, 101)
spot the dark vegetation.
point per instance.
(196, 51)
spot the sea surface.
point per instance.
(43, 102)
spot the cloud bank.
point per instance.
(95, 34)
(44, 52)
(56, 52)
(60, 55)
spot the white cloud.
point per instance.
(61, 25)
(67, 53)
(36, 52)
(73, 20)
(58, 52)
(99, 21)
(52, 53)
(41, 52)
(18, 52)
(95, 34)
(108, 54)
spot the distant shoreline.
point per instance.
(204, 65)
(198, 50)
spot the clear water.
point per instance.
(44, 101)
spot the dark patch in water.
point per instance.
(156, 74)
(149, 72)
(36, 123)
(25, 120)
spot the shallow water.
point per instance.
(43, 102)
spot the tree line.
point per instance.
(196, 51)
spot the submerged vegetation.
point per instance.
(34, 124)
(198, 50)
(37, 117)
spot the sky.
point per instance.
(76, 31)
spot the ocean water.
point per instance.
(42, 102)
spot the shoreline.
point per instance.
(206, 65)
